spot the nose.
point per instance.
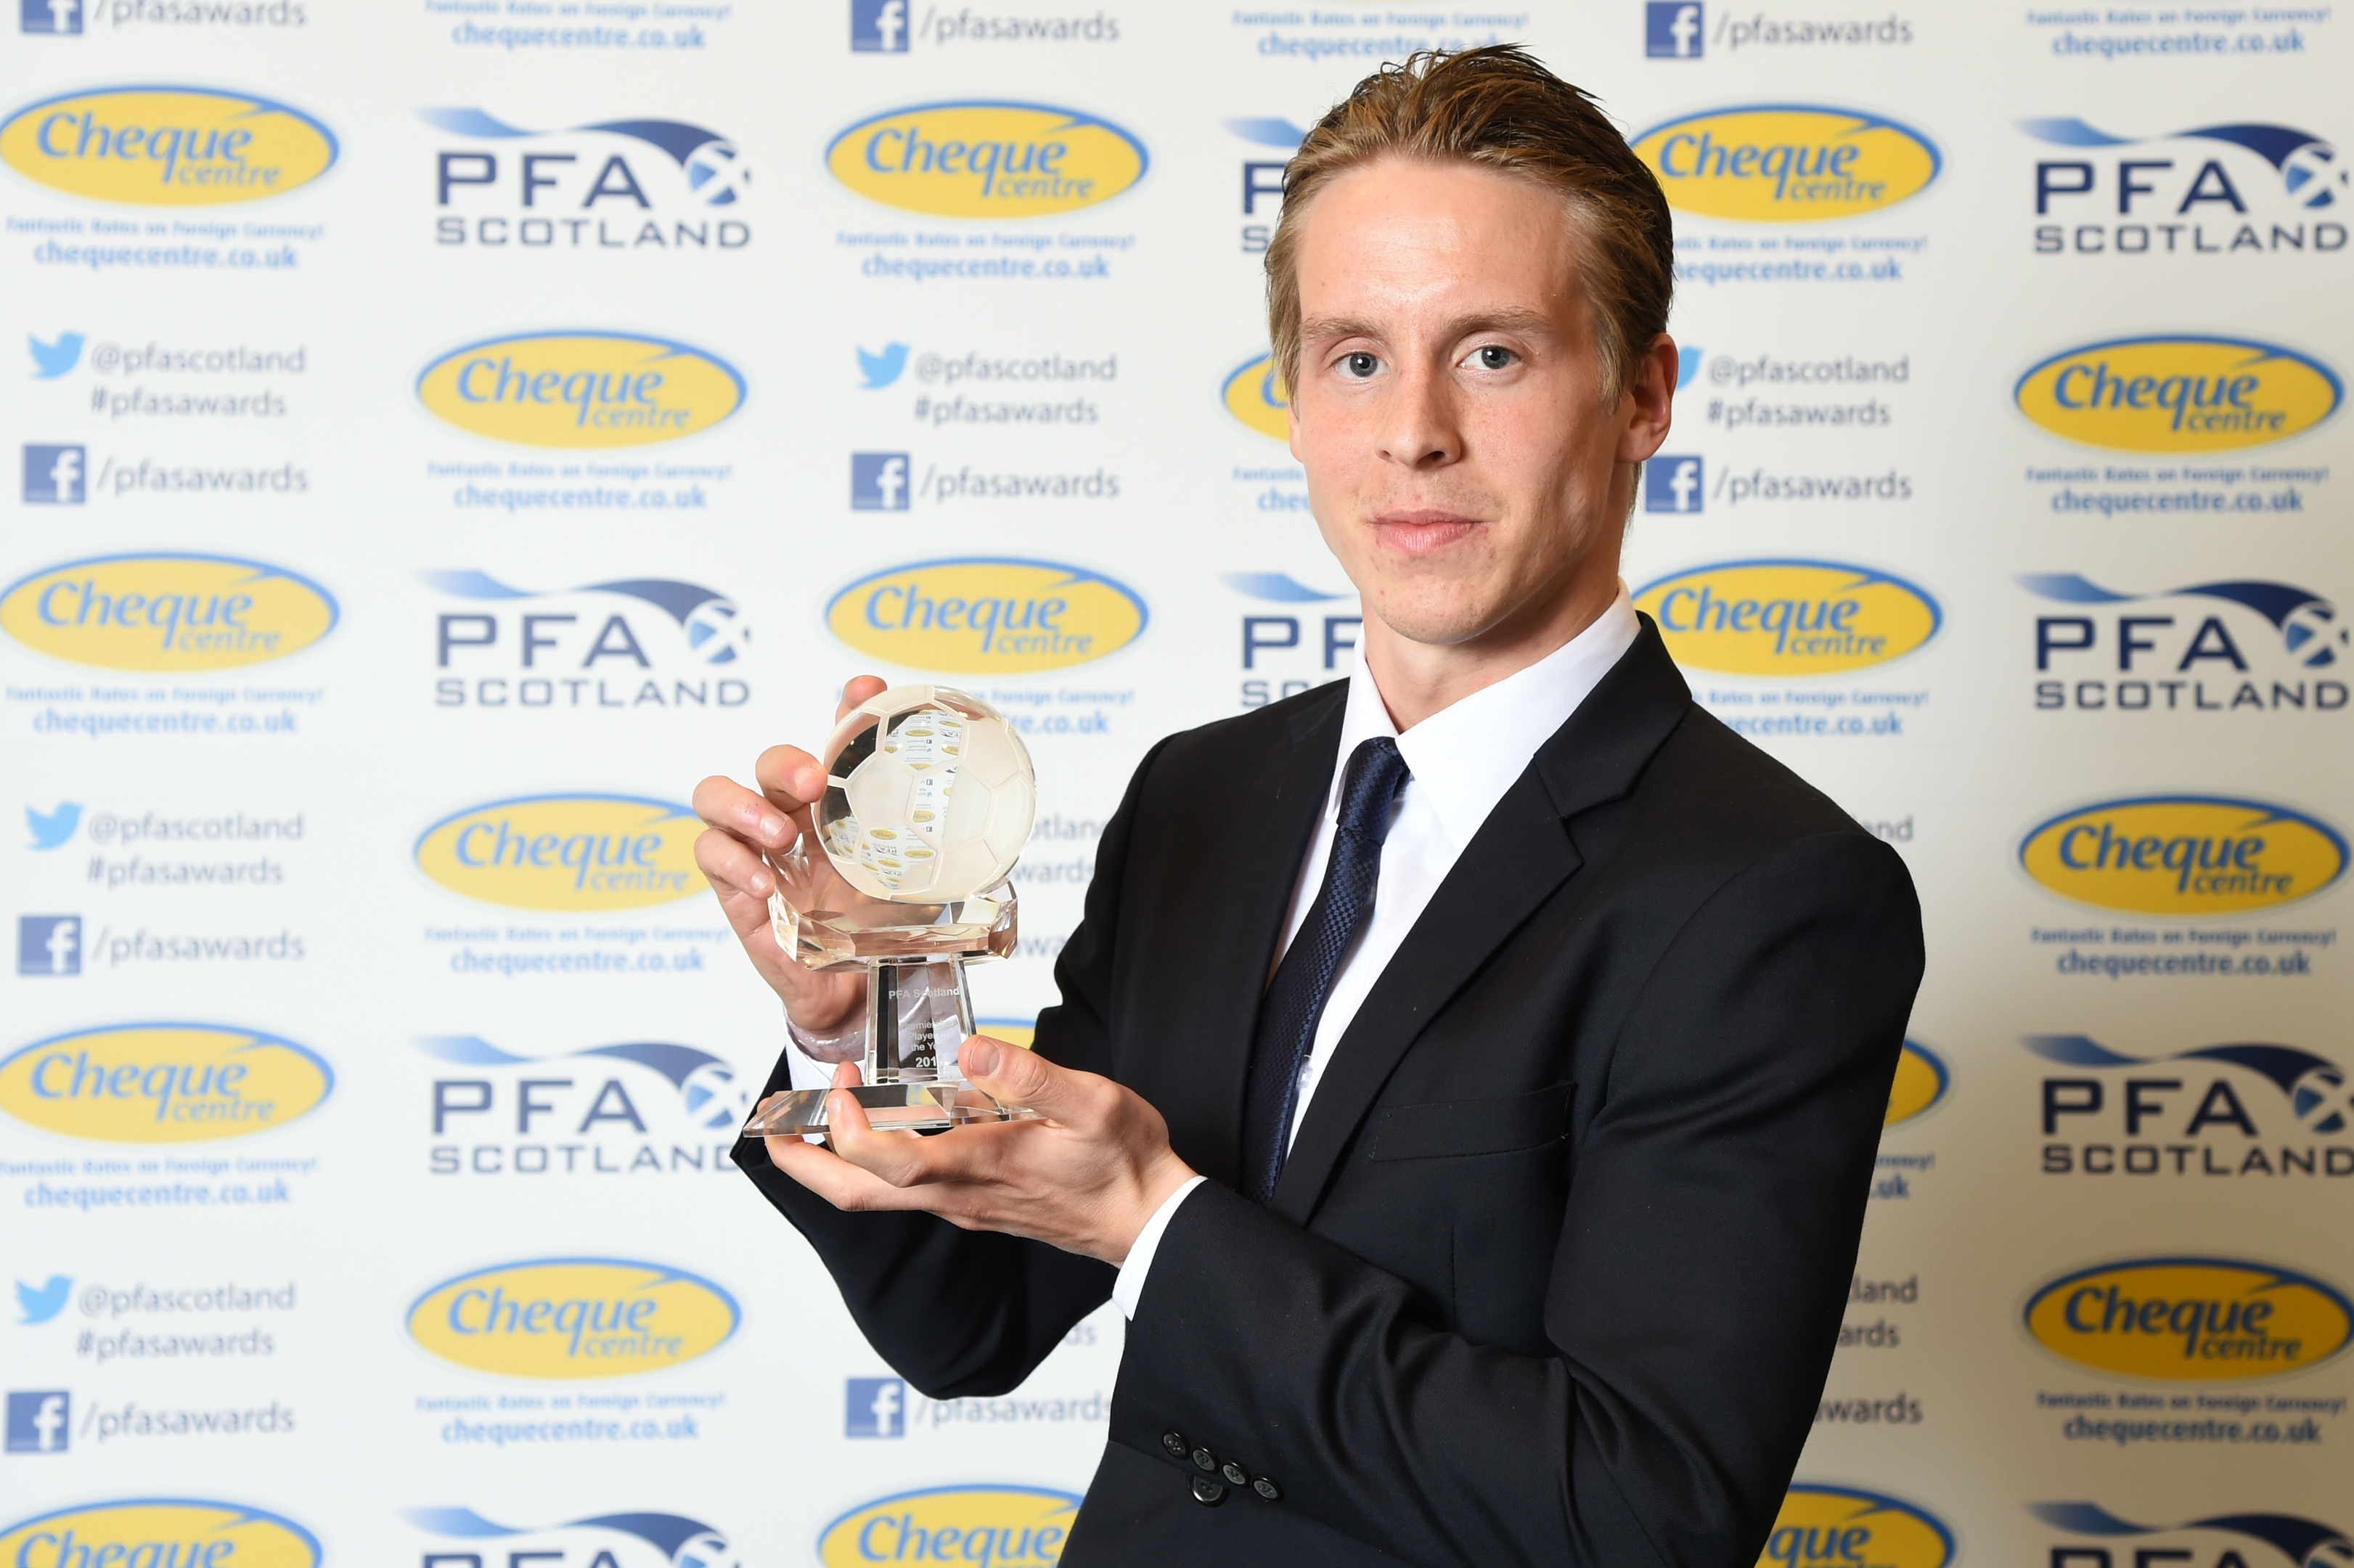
(1418, 429)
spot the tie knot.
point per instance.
(1376, 773)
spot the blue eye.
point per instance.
(1360, 365)
(1493, 358)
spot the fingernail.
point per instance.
(771, 828)
(760, 885)
(808, 782)
(979, 1057)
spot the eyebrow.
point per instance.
(1324, 329)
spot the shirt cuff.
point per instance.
(1127, 1290)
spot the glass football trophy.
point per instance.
(928, 799)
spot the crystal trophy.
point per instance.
(928, 799)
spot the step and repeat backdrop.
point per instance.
(440, 431)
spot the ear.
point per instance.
(1647, 406)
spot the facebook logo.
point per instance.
(877, 1408)
(1671, 29)
(38, 1420)
(51, 16)
(48, 944)
(55, 475)
(877, 27)
(1671, 484)
(878, 481)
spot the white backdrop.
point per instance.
(451, 428)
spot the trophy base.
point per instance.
(903, 1107)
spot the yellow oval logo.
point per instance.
(2184, 854)
(1922, 1081)
(581, 389)
(1788, 619)
(573, 1317)
(986, 160)
(1256, 395)
(166, 146)
(2178, 394)
(162, 1083)
(2191, 1319)
(167, 612)
(1021, 1032)
(987, 616)
(1787, 162)
(158, 1531)
(1007, 1527)
(1842, 1525)
(579, 853)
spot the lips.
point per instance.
(1423, 531)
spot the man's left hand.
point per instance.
(1085, 1179)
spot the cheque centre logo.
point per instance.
(2185, 394)
(582, 388)
(986, 616)
(1840, 1524)
(166, 612)
(1789, 618)
(1787, 162)
(1255, 394)
(160, 1532)
(2184, 854)
(647, 1540)
(166, 146)
(2191, 1319)
(1010, 1527)
(2305, 1542)
(1922, 1082)
(162, 1083)
(986, 159)
(578, 854)
(573, 1317)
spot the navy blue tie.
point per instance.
(1303, 982)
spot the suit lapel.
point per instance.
(1521, 855)
(1274, 814)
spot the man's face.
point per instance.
(1462, 462)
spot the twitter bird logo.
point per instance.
(40, 1306)
(56, 828)
(882, 369)
(51, 360)
(1687, 364)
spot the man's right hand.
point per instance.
(745, 823)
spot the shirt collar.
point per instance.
(1464, 756)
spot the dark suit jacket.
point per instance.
(1556, 1264)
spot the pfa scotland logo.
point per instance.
(2304, 1543)
(613, 1539)
(166, 146)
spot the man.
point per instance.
(1467, 1077)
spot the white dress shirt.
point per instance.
(1462, 759)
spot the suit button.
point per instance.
(1207, 1492)
(1235, 1475)
(1206, 1460)
(1267, 1488)
(1175, 1443)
